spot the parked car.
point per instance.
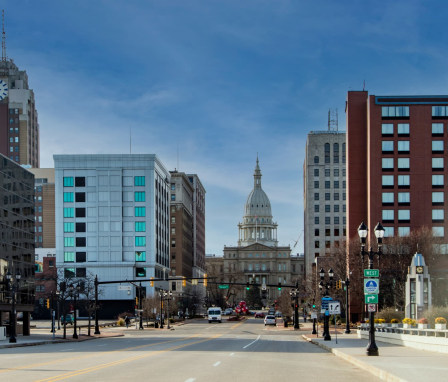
(278, 314)
(269, 320)
(228, 312)
(259, 315)
(68, 319)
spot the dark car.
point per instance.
(259, 315)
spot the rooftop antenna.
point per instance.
(364, 85)
(3, 37)
(332, 119)
(130, 140)
(178, 156)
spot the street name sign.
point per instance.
(371, 298)
(223, 286)
(124, 287)
(371, 273)
(371, 286)
(313, 315)
(334, 307)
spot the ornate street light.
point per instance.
(372, 348)
(13, 283)
(326, 285)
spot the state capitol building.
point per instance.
(257, 258)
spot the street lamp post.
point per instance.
(295, 295)
(324, 287)
(347, 316)
(372, 348)
(161, 308)
(140, 306)
(75, 293)
(14, 283)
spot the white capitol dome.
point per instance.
(257, 225)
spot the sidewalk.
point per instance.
(394, 363)
(41, 335)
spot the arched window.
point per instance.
(335, 152)
(327, 153)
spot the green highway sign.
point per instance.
(224, 286)
(371, 298)
(371, 273)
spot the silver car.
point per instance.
(269, 320)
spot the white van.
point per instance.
(214, 314)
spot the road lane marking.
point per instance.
(217, 363)
(33, 365)
(190, 380)
(237, 324)
(232, 354)
(122, 361)
(67, 349)
(244, 347)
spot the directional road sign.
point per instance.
(334, 307)
(324, 304)
(371, 286)
(371, 273)
(371, 298)
(223, 286)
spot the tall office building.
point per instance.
(396, 170)
(181, 225)
(44, 208)
(324, 183)
(16, 241)
(198, 225)
(112, 220)
(19, 128)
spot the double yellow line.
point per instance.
(122, 361)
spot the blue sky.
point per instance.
(206, 85)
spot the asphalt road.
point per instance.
(195, 352)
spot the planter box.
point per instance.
(407, 326)
(440, 327)
(423, 326)
(393, 325)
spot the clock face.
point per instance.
(3, 90)
(419, 269)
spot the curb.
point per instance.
(377, 372)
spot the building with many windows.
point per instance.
(44, 207)
(16, 241)
(396, 172)
(198, 225)
(181, 225)
(19, 129)
(324, 200)
(112, 220)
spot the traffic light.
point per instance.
(151, 282)
(279, 286)
(48, 303)
(314, 304)
(184, 282)
(205, 280)
(264, 294)
(136, 301)
(339, 284)
(247, 286)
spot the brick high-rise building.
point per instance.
(181, 225)
(44, 209)
(19, 129)
(198, 225)
(396, 167)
